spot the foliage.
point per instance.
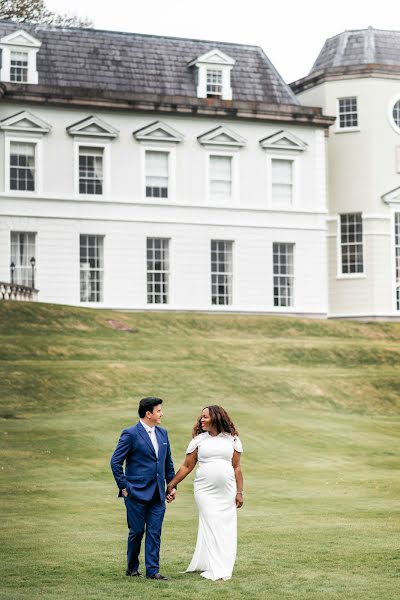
(35, 11)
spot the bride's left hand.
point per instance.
(239, 500)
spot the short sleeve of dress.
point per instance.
(237, 445)
(193, 444)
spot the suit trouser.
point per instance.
(143, 515)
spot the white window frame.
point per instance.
(279, 308)
(393, 100)
(339, 273)
(235, 178)
(23, 139)
(338, 128)
(24, 69)
(29, 45)
(165, 271)
(229, 274)
(295, 180)
(220, 71)
(35, 252)
(171, 151)
(88, 143)
(92, 302)
(157, 198)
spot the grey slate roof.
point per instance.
(145, 64)
(360, 47)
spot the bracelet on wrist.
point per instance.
(241, 493)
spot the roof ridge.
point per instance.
(44, 27)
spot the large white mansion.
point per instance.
(145, 172)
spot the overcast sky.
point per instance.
(291, 32)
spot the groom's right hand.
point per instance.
(124, 492)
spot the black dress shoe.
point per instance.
(133, 574)
(157, 576)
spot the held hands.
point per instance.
(171, 494)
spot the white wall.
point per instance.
(361, 168)
(57, 273)
(126, 218)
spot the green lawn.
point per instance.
(317, 405)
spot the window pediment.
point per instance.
(25, 122)
(92, 127)
(158, 132)
(283, 140)
(214, 57)
(222, 136)
(393, 196)
(20, 38)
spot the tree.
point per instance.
(35, 11)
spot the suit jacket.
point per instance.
(144, 471)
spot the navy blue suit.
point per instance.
(145, 480)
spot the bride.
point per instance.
(218, 491)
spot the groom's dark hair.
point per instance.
(148, 404)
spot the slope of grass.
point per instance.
(317, 405)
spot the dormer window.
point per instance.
(214, 75)
(19, 66)
(19, 50)
(214, 83)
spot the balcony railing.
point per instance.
(15, 291)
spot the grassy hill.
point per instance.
(317, 405)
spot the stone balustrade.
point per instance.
(14, 291)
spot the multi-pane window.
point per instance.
(397, 256)
(19, 67)
(22, 166)
(157, 270)
(283, 273)
(23, 249)
(91, 268)
(282, 181)
(396, 113)
(348, 116)
(220, 178)
(156, 174)
(214, 82)
(221, 272)
(91, 170)
(351, 241)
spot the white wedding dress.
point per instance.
(215, 494)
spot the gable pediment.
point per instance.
(158, 132)
(221, 136)
(20, 38)
(283, 140)
(215, 56)
(25, 122)
(93, 127)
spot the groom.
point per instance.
(148, 467)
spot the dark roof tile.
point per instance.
(145, 64)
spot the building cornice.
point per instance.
(349, 72)
(208, 107)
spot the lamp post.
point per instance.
(33, 262)
(12, 269)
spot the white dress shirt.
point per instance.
(152, 434)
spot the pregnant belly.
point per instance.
(215, 477)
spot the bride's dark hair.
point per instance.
(219, 418)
